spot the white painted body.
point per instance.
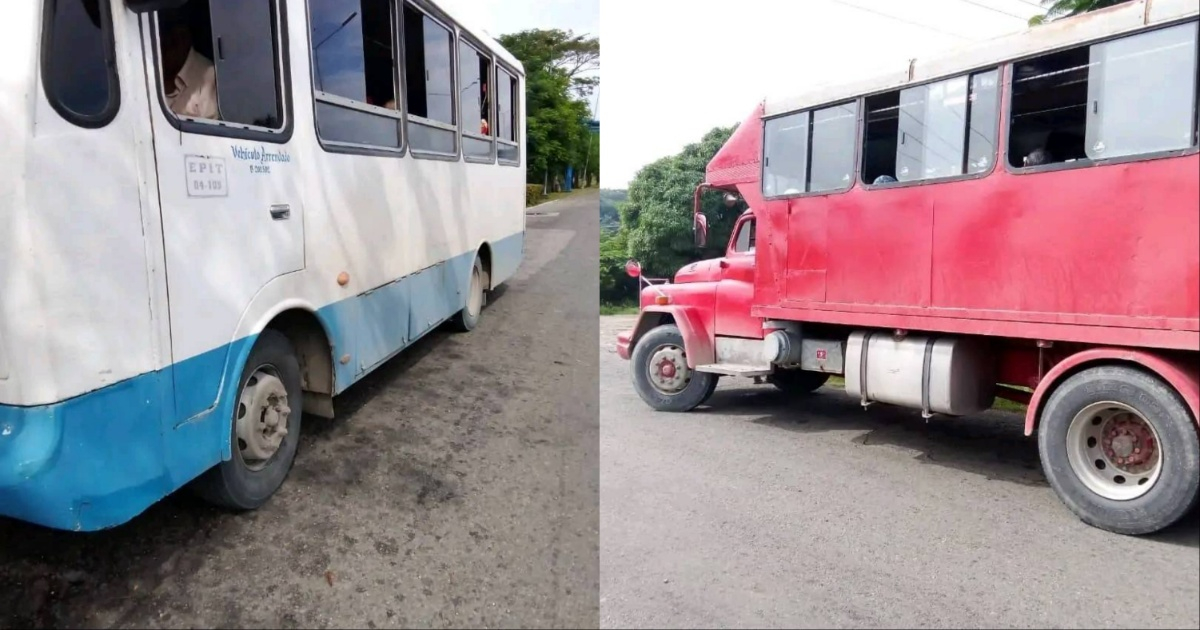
(88, 254)
(128, 307)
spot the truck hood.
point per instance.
(702, 271)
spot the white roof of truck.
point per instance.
(1055, 35)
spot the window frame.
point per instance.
(738, 227)
(1089, 162)
(225, 129)
(113, 107)
(499, 67)
(859, 103)
(485, 53)
(428, 10)
(1002, 74)
(399, 114)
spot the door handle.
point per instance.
(281, 212)
(724, 264)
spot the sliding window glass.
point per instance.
(507, 122)
(942, 129)
(429, 77)
(1135, 95)
(810, 151)
(354, 73)
(221, 62)
(475, 103)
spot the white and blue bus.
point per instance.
(217, 214)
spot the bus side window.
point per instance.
(474, 75)
(429, 79)
(1128, 96)
(220, 62)
(78, 74)
(506, 117)
(354, 72)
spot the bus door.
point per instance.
(232, 216)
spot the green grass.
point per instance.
(618, 309)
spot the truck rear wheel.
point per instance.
(798, 382)
(661, 375)
(1121, 450)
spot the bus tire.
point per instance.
(671, 385)
(798, 382)
(468, 318)
(1120, 449)
(264, 428)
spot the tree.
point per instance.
(556, 116)
(658, 214)
(1066, 8)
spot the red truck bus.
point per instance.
(1019, 219)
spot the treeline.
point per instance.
(557, 114)
(654, 220)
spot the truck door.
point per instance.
(232, 217)
(735, 290)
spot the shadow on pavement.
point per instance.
(992, 444)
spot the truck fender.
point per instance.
(698, 342)
(1183, 376)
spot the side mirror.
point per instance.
(149, 6)
(700, 229)
(633, 269)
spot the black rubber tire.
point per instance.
(464, 321)
(716, 380)
(798, 382)
(231, 484)
(1178, 487)
(699, 387)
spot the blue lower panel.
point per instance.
(102, 458)
(99, 459)
(506, 256)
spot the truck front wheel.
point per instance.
(661, 374)
(1120, 449)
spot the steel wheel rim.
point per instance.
(261, 418)
(667, 369)
(1114, 450)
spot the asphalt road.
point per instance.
(751, 512)
(458, 487)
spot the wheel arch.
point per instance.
(697, 340)
(484, 252)
(1180, 373)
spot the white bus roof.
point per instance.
(1123, 18)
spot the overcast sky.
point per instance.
(499, 17)
(674, 70)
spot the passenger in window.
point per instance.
(884, 179)
(1037, 157)
(189, 79)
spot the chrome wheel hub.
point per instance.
(1114, 451)
(669, 372)
(262, 418)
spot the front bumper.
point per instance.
(623, 344)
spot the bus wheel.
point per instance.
(468, 318)
(797, 382)
(1121, 450)
(265, 428)
(661, 375)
